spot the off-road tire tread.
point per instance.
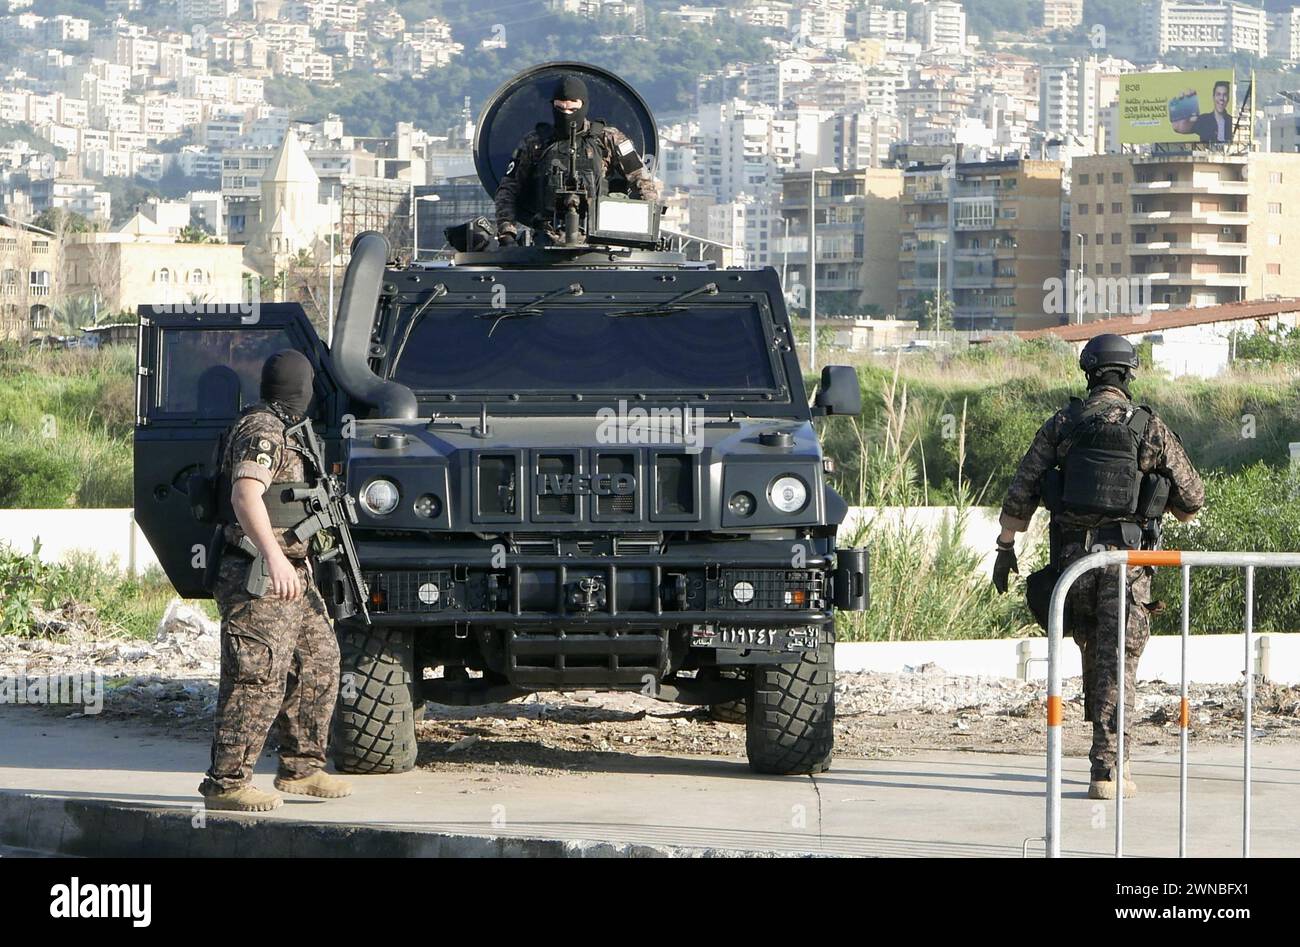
(374, 729)
(790, 726)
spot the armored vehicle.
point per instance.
(578, 463)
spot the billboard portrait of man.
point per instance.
(1209, 127)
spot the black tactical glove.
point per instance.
(1004, 565)
(506, 239)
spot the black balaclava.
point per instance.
(1112, 377)
(286, 379)
(570, 88)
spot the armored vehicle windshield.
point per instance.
(562, 349)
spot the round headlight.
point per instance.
(379, 498)
(788, 494)
(743, 592)
(741, 504)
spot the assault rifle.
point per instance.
(329, 510)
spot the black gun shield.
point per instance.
(515, 108)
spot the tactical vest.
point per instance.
(1100, 474)
(551, 169)
(210, 494)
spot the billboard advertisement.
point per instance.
(1167, 107)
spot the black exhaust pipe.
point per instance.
(358, 304)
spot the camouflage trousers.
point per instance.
(1093, 614)
(279, 666)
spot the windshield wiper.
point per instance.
(532, 309)
(438, 290)
(668, 306)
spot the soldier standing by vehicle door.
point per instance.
(1107, 470)
(279, 655)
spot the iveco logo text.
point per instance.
(601, 485)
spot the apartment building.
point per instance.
(857, 138)
(857, 215)
(1284, 34)
(29, 266)
(984, 235)
(1182, 26)
(1062, 14)
(876, 21)
(938, 24)
(1196, 229)
(746, 224)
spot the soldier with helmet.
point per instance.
(606, 160)
(1107, 470)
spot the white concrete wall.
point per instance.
(108, 534)
(981, 531)
(1211, 659)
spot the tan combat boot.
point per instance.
(1105, 788)
(320, 784)
(240, 799)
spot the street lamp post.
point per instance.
(812, 269)
(334, 224)
(785, 251)
(1078, 282)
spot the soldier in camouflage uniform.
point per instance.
(279, 655)
(613, 153)
(1093, 602)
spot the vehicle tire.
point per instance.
(732, 711)
(374, 725)
(790, 725)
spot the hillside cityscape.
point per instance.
(967, 157)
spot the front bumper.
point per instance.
(756, 583)
(576, 615)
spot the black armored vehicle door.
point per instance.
(196, 371)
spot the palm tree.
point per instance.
(191, 233)
(76, 312)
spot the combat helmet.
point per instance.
(1108, 351)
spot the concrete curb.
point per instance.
(109, 829)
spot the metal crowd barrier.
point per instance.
(1056, 614)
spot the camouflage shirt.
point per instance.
(641, 182)
(1160, 450)
(256, 448)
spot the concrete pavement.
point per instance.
(88, 785)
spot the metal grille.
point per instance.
(564, 504)
(423, 591)
(770, 588)
(614, 464)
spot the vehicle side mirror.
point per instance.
(839, 391)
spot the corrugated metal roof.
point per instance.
(1167, 319)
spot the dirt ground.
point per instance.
(171, 682)
(877, 715)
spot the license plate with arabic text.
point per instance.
(741, 638)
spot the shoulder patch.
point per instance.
(264, 460)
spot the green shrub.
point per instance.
(1255, 510)
(35, 477)
(23, 580)
(121, 604)
(923, 587)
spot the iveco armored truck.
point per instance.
(581, 462)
